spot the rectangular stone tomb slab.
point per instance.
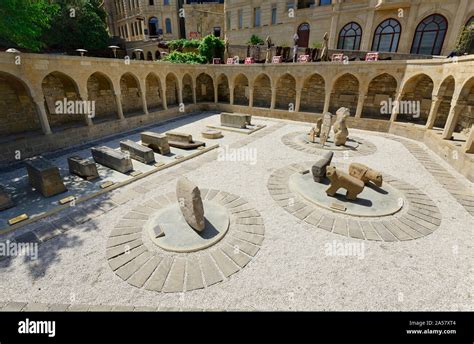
(84, 168)
(44, 177)
(183, 141)
(137, 151)
(5, 199)
(113, 159)
(235, 120)
(155, 141)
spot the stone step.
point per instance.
(113, 159)
(137, 151)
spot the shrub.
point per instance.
(255, 40)
(189, 58)
(210, 47)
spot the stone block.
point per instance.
(155, 141)
(183, 141)
(137, 151)
(211, 134)
(190, 203)
(84, 168)
(5, 199)
(235, 120)
(113, 159)
(44, 177)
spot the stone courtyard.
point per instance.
(279, 252)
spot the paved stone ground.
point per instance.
(295, 268)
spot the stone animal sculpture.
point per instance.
(319, 168)
(340, 128)
(343, 180)
(365, 174)
(315, 130)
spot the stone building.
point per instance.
(143, 22)
(416, 27)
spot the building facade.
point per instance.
(416, 27)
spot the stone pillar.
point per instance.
(298, 100)
(333, 33)
(367, 32)
(456, 107)
(87, 116)
(327, 101)
(216, 93)
(231, 95)
(406, 37)
(250, 96)
(118, 101)
(469, 146)
(273, 101)
(396, 108)
(360, 104)
(144, 104)
(163, 97)
(180, 95)
(194, 93)
(435, 103)
(43, 117)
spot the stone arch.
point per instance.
(241, 90)
(130, 95)
(204, 88)
(445, 93)
(262, 91)
(380, 96)
(223, 92)
(286, 92)
(466, 98)
(17, 109)
(56, 87)
(313, 94)
(416, 97)
(154, 92)
(101, 91)
(188, 89)
(345, 93)
(172, 89)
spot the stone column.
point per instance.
(43, 117)
(360, 104)
(87, 117)
(327, 101)
(333, 33)
(367, 32)
(144, 104)
(250, 96)
(216, 93)
(298, 100)
(194, 93)
(435, 103)
(118, 101)
(456, 107)
(180, 95)
(406, 37)
(273, 101)
(396, 108)
(231, 95)
(469, 146)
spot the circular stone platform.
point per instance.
(418, 217)
(371, 202)
(139, 261)
(355, 146)
(180, 236)
(351, 144)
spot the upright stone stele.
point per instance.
(315, 130)
(319, 168)
(340, 128)
(343, 180)
(190, 203)
(366, 174)
(44, 177)
(325, 128)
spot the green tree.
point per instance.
(78, 24)
(23, 22)
(210, 47)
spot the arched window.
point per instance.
(429, 35)
(168, 25)
(153, 26)
(387, 35)
(350, 36)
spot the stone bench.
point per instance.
(44, 177)
(183, 141)
(235, 120)
(84, 168)
(137, 151)
(5, 199)
(113, 159)
(155, 141)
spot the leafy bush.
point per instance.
(255, 40)
(189, 58)
(179, 44)
(210, 47)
